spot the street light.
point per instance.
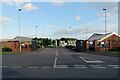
(42, 40)
(36, 32)
(36, 38)
(105, 29)
(86, 33)
(19, 10)
(70, 31)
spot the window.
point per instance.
(91, 42)
(100, 44)
(107, 44)
(25, 46)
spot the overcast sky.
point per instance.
(57, 19)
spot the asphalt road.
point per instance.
(58, 63)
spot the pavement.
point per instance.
(58, 63)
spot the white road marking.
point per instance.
(81, 67)
(16, 66)
(99, 67)
(113, 65)
(56, 54)
(95, 65)
(116, 67)
(55, 61)
(77, 53)
(95, 61)
(34, 67)
(4, 66)
(78, 65)
(45, 67)
(60, 67)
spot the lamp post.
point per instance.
(86, 33)
(36, 38)
(36, 32)
(42, 40)
(70, 31)
(19, 10)
(105, 29)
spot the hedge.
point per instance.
(6, 49)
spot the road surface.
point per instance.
(59, 63)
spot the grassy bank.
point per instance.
(105, 53)
(8, 52)
(113, 53)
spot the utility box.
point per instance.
(34, 45)
(80, 45)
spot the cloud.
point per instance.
(77, 17)
(94, 26)
(4, 20)
(57, 2)
(102, 15)
(10, 3)
(53, 27)
(111, 8)
(17, 3)
(29, 7)
(20, 4)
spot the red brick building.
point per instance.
(14, 44)
(101, 42)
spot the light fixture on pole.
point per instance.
(36, 32)
(42, 41)
(70, 31)
(36, 38)
(105, 29)
(19, 10)
(86, 33)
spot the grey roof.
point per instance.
(7, 40)
(23, 38)
(17, 38)
(97, 36)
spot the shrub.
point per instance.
(6, 49)
(115, 49)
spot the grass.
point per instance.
(12, 52)
(109, 53)
(105, 53)
(8, 52)
(114, 53)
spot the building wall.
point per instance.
(11, 44)
(0, 46)
(113, 40)
(14, 45)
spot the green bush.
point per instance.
(6, 49)
(115, 49)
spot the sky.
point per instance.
(57, 19)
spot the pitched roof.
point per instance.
(17, 38)
(22, 38)
(100, 37)
(7, 40)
